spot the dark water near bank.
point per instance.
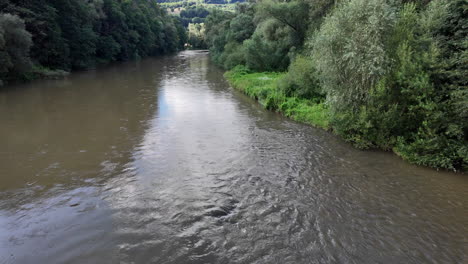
(159, 161)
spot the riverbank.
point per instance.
(160, 161)
(263, 87)
(399, 85)
(56, 47)
(37, 73)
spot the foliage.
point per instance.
(405, 101)
(439, 137)
(349, 50)
(196, 35)
(263, 87)
(291, 14)
(193, 14)
(233, 55)
(15, 43)
(302, 80)
(241, 28)
(75, 34)
(217, 24)
(268, 54)
(380, 73)
(270, 33)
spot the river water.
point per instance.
(160, 161)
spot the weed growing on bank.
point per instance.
(264, 88)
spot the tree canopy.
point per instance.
(75, 34)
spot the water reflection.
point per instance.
(60, 143)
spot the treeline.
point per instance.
(379, 73)
(193, 19)
(193, 14)
(204, 1)
(37, 36)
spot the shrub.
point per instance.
(264, 54)
(233, 55)
(438, 108)
(302, 80)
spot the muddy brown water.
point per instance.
(160, 161)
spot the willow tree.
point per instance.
(350, 50)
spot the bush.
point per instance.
(302, 80)
(432, 73)
(263, 54)
(233, 55)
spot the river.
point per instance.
(160, 161)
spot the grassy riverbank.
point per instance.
(380, 74)
(263, 87)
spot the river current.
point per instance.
(160, 161)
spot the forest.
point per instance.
(381, 74)
(47, 38)
(193, 14)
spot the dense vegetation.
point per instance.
(196, 36)
(37, 36)
(193, 14)
(379, 73)
(176, 6)
(201, 1)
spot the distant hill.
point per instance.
(176, 6)
(219, 2)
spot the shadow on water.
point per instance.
(160, 161)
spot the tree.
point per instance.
(15, 43)
(350, 50)
(241, 28)
(292, 14)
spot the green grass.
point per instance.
(263, 88)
